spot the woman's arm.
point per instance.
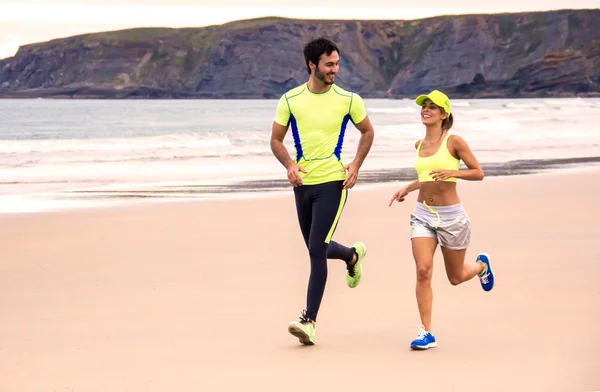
(474, 172)
(401, 194)
(413, 186)
(463, 152)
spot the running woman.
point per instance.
(439, 216)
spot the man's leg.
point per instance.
(351, 256)
(337, 251)
(304, 329)
(303, 196)
(328, 203)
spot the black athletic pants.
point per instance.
(319, 208)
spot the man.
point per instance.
(318, 112)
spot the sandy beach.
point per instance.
(197, 296)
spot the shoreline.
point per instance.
(188, 194)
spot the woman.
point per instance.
(439, 217)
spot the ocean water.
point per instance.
(58, 154)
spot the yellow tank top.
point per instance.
(442, 159)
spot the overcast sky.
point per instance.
(29, 21)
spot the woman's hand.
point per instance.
(441, 175)
(399, 196)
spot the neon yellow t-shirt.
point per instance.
(318, 124)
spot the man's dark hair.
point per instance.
(317, 47)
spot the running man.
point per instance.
(318, 113)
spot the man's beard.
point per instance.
(322, 77)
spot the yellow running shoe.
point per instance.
(304, 330)
(354, 272)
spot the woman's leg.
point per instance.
(423, 249)
(456, 269)
(457, 235)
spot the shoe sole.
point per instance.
(420, 348)
(360, 269)
(490, 270)
(301, 335)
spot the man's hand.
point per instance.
(293, 171)
(352, 169)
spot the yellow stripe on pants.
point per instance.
(337, 216)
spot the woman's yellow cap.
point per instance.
(437, 97)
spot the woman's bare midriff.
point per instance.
(438, 193)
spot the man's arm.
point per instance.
(278, 132)
(364, 146)
(366, 140)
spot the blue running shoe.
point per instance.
(424, 341)
(487, 276)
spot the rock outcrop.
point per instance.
(511, 55)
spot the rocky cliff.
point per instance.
(529, 54)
